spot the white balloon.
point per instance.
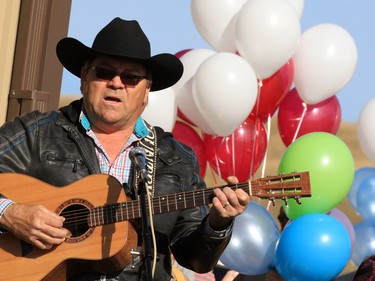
(366, 130)
(191, 61)
(298, 6)
(215, 21)
(183, 88)
(267, 34)
(324, 62)
(225, 90)
(161, 109)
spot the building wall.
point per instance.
(9, 13)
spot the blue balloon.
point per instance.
(364, 241)
(366, 198)
(312, 247)
(251, 248)
(359, 176)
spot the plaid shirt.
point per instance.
(121, 166)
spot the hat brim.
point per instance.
(166, 69)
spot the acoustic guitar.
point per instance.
(99, 215)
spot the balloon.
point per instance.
(215, 21)
(239, 154)
(187, 135)
(364, 245)
(183, 88)
(260, 26)
(366, 129)
(359, 176)
(224, 90)
(163, 101)
(331, 167)
(366, 198)
(184, 118)
(341, 217)
(298, 6)
(296, 117)
(182, 52)
(251, 248)
(312, 247)
(324, 62)
(273, 91)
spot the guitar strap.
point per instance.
(149, 143)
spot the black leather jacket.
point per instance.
(53, 147)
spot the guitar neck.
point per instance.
(295, 185)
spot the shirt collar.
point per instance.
(140, 129)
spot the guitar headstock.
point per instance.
(284, 186)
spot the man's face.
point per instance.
(110, 103)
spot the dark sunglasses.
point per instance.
(106, 73)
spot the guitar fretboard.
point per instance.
(275, 187)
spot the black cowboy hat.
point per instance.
(124, 39)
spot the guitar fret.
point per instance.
(139, 209)
(133, 209)
(122, 212)
(97, 222)
(160, 204)
(127, 210)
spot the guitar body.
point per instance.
(105, 248)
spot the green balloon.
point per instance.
(331, 166)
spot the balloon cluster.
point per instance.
(225, 97)
(228, 93)
(318, 240)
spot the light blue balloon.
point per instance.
(359, 176)
(364, 241)
(366, 198)
(251, 248)
(314, 247)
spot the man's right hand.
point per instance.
(34, 224)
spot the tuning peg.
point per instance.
(298, 199)
(285, 199)
(272, 199)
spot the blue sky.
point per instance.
(170, 28)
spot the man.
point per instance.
(95, 134)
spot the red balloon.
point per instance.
(239, 154)
(321, 117)
(182, 52)
(273, 91)
(187, 135)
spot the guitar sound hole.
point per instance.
(76, 219)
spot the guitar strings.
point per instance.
(131, 209)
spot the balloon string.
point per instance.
(233, 155)
(268, 139)
(260, 85)
(266, 153)
(217, 159)
(300, 121)
(214, 176)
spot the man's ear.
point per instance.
(83, 77)
(145, 99)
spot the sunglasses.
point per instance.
(106, 73)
